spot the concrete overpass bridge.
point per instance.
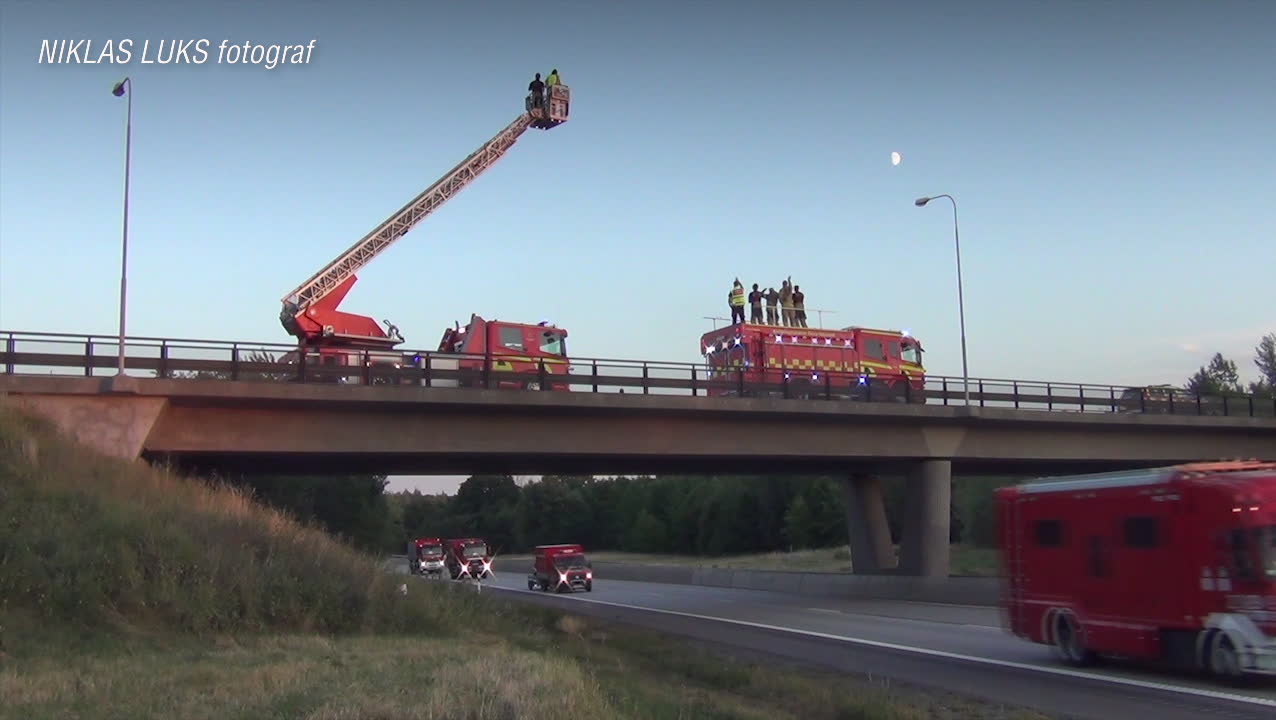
(396, 420)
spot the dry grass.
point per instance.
(129, 592)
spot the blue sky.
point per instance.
(1114, 165)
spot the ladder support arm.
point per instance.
(398, 224)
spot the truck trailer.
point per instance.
(1174, 564)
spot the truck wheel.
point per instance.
(1223, 659)
(1069, 641)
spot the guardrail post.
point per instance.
(739, 382)
(234, 361)
(828, 386)
(645, 389)
(367, 368)
(1049, 397)
(301, 363)
(541, 371)
(487, 371)
(593, 374)
(88, 356)
(1199, 410)
(786, 386)
(10, 348)
(1112, 398)
(163, 359)
(425, 370)
(1081, 396)
(1225, 414)
(1172, 393)
(1015, 389)
(981, 393)
(694, 391)
(945, 391)
(1143, 401)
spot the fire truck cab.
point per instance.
(519, 355)
(852, 363)
(425, 556)
(560, 568)
(1174, 564)
(467, 557)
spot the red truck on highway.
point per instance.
(560, 568)
(1174, 564)
(425, 556)
(467, 557)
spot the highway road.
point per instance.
(958, 648)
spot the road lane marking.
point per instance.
(1129, 682)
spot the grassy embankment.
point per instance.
(966, 560)
(128, 592)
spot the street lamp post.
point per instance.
(117, 91)
(961, 309)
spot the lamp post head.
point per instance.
(118, 90)
(919, 202)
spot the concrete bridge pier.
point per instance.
(870, 535)
(924, 547)
(926, 517)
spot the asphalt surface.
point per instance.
(958, 648)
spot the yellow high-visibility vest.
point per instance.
(737, 296)
(552, 79)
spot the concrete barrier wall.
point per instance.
(952, 590)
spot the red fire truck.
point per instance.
(347, 343)
(425, 556)
(537, 353)
(560, 568)
(852, 363)
(467, 557)
(1176, 564)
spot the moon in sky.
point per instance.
(894, 158)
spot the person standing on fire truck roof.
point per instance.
(755, 306)
(552, 80)
(786, 303)
(771, 297)
(799, 307)
(735, 299)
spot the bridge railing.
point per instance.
(66, 354)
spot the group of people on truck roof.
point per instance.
(537, 87)
(790, 299)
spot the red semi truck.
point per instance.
(467, 557)
(559, 568)
(1175, 564)
(425, 556)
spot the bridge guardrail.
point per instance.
(28, 353)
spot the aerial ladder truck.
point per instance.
(341, 338)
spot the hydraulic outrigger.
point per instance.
(310, 311)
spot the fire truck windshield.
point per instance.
(912, 354)
(1265, 538)
(569, 562)
(429, 550)
(1256, 559)
(475, 551)
(553, 343)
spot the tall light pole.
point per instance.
(117, 91)
(961, 308)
